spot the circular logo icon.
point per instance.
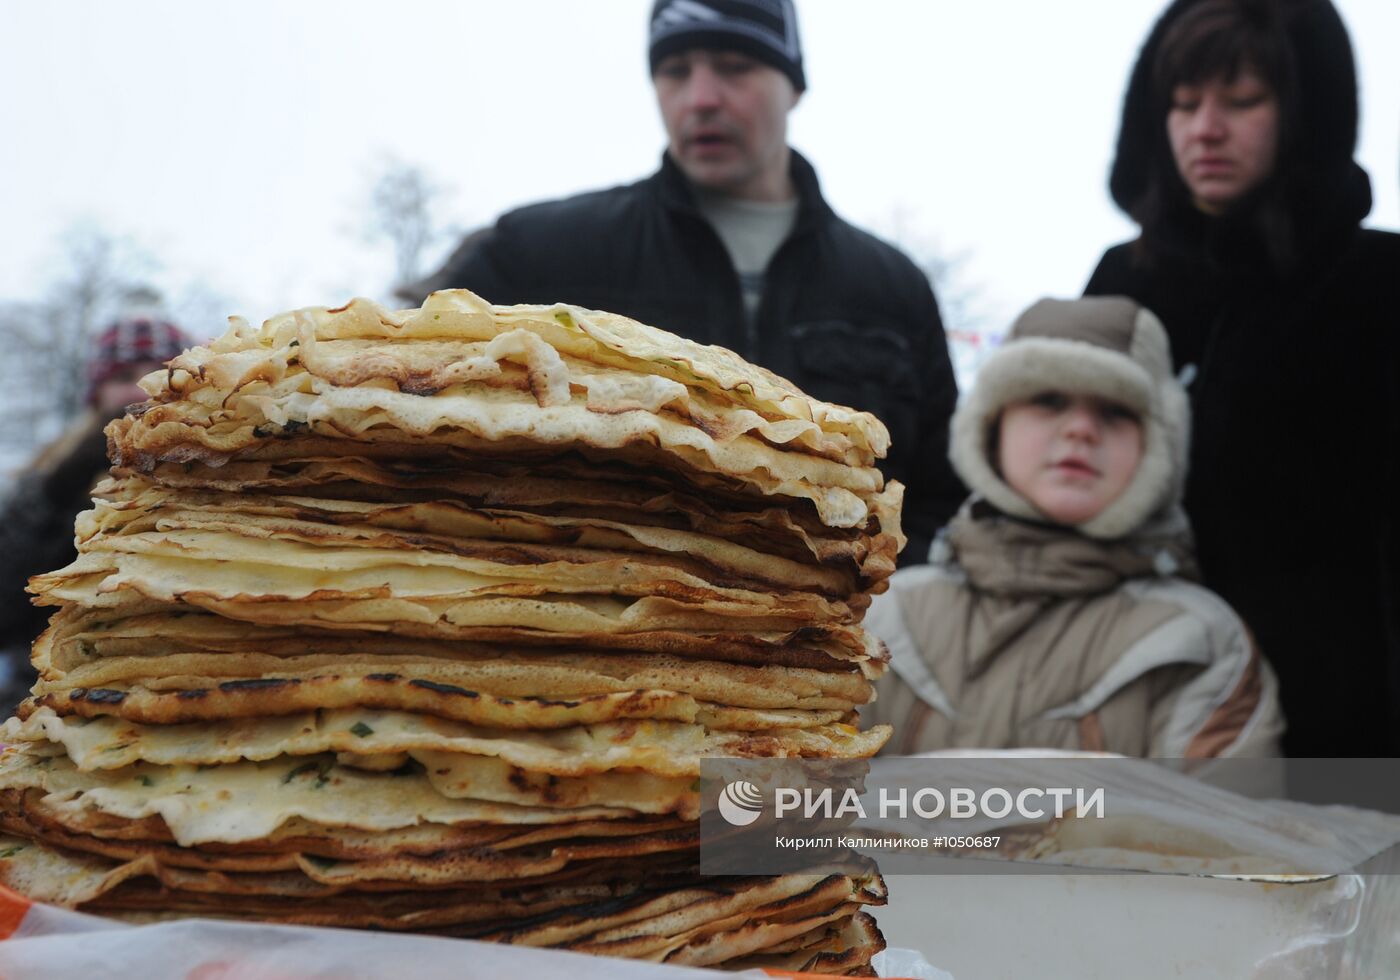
(740, 803)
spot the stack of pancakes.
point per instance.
(425, 620)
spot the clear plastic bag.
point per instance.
(52, 942)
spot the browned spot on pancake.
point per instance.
(444, 688)
(99, 695)
(419, 383)
(259, 684)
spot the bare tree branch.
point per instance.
(48, 343)
(972, 333)
(100, 271)
(401, 201)
(201, 311)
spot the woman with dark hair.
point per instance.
(1235, 158)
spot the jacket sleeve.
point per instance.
(1194, 717)
(884, 621)
(934, 492)
(909, 696)
(25, 529)
(1390, 586)
(36, 535)
(36, 523)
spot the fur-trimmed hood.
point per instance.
(1105, 346)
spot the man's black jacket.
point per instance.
(846, 317)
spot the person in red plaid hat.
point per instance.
(36, 520)
(127, 351)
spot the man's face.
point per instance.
(121, 390)
(726, 121)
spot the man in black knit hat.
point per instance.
(731, 243)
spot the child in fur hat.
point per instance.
(1054, 613)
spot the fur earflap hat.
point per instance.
(1107, 346)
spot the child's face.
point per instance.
(1069, 455)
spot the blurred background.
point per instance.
(213, 158)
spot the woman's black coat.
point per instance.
(1294, 486)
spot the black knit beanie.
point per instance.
(762, 29)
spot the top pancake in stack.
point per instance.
(529, 563)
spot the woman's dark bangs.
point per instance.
(1215, 40)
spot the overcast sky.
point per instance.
(236, 141)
